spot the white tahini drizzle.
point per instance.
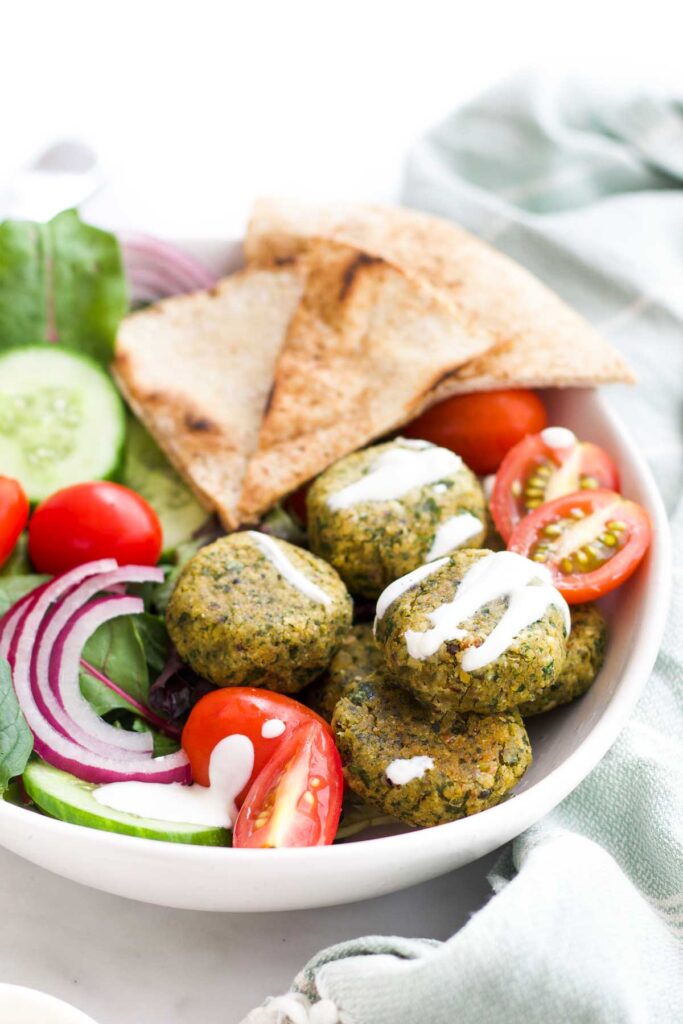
(272, 728)
(230, 768)
(274, 553)
(453, 533)
(488, 483)
(405, 769)
(558, 437)
(528, 588)
(403, 584)
(397, 471)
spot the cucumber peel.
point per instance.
(63, 796)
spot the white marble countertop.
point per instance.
(129, 963)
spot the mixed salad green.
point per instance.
(63, 292)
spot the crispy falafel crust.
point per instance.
(585, 654)
(477, 758)
(238, 622)
(357, 658)
(373, 543)
(530, 665)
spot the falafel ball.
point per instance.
(357, 658)
(524, 670)
(250, 610)
(585, 654)
(421, 766)
(378, 513)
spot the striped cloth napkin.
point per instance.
(586, 924)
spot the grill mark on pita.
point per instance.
(269, 400)
(356, 264)
(200, 424)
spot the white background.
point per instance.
(195, 109)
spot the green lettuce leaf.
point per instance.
(12, 588)
(61, 282)
(131, 651)
(16, 739)
(115, 648)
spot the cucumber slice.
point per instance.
(61, 419)
(147, 471)
(70, 799)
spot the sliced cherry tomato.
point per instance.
(94, 520)
(481, 427)
(13, 515)
(591, 541)
(245, 710)
(297, 798)
(543, 467)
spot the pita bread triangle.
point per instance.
(198, 370)
(536, 339)
(366, 346)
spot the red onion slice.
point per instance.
(156, 269)
(63, 705)
(53, 746)
(10, 620)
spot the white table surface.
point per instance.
(130, 963)
(195, 110)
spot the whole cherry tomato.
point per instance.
(13, 515)
(93, 520)
(482, 427)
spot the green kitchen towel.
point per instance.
(587, 922)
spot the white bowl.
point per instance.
(567, 744)
(19, 1005)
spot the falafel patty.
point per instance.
(443, 676)
(250, 610)
(379, 513)
(357, 658)
(585, 654)
(424, 767)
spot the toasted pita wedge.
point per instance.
(365, 346)
(537, 341)
(198, 369)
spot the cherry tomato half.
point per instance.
(591, 541)
(245, 710)
(13, 515)
(297, 798)
(93, 520)
(543, 467)
(481, 427)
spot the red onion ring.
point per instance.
(59, 746)
(155, 269)
(67, 709)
